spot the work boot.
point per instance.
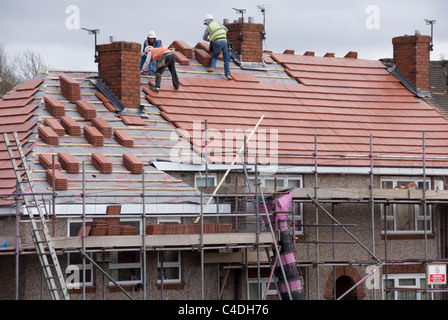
(229, 77)
(211, 69)
(155, 89)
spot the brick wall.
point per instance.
(411, 57)
(119, 68)
(247, 40)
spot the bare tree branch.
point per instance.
(29, 64)
(8, 79)
(26, 65)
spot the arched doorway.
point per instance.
(346, 277)
(343, 284)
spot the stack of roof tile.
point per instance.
(132, 163)
(68, 162)
(55, 125)
(94, 136)
(70, 88)
(99, 228)
(60, 181)
(48, 135)
(124, 138)
(103, 126)
(85, 109)
(104, 165)
(46, 160)
(113, 230)
(128, 230)
(55, 107)
(71, 126)
(203, 57)
(114, 210)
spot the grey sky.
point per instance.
(320, 25)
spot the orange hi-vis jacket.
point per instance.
(156, 53)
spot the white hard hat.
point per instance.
(151, 34)
(208, 17)
(147, 48)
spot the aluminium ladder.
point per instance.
(40, 234)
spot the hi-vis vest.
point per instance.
(216, 31)
(158, 52)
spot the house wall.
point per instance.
(316, 279)
(404, 247)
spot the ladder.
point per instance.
(40, 234)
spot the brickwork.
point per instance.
(247, 40)
(411, 57)
(119, 68)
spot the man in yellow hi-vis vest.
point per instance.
(216, 33)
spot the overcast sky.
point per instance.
(49, 27)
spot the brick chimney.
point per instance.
(119, 68)
(247, 39)
(411, 58)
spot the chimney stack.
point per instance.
(411, 58)
(119, 68)
(247, 39)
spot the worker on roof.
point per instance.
(150, 40)
(164, 58)
(216, 33)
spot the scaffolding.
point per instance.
(256, 239)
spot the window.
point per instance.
(200, 180)
(125, 267)
(406, 217)
(171, 271)
(76, 275)
(283, 181)
(411, 282)
(171, 260)
(271, 291)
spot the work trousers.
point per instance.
(170, 63)
(218, 46)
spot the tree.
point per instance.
(26, 65)
(8, 79)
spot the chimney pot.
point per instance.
(251, 20)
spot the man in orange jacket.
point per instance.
(164, 58)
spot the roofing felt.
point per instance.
(25, 111)
(340, 102)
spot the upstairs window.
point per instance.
(406, 218)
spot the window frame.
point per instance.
(127, 265)
(172, 264)
(200, 176)
(89, 267)
(396, 277)
(263, 285)
(418, 211)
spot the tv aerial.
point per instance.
(94, 32)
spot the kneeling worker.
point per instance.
(164, 58)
